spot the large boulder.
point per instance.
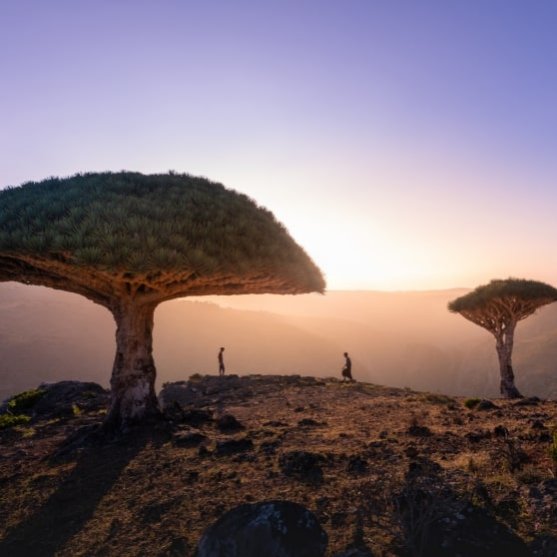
(268, 528)
(64, 398)
(58, 400)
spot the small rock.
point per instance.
(275, 423)
(197, 417)
(178, 547)
(500, 431)
(227, 423)
(302, 465)
(154, 512)
(477, 436)
(189, 438)
(269, 447)
(529, 401)
(545, 437)
(419, 431)
(357, 465)
(203, 451)
(192, 476)
(308, 422)
(538, 424)
(486, 405)
(338, 519)
(233, 446)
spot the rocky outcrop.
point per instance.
(59, 400)
(208, 389)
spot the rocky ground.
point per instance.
(385, 471)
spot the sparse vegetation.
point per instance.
(23, 402)
(434, 398)
(392, 472)
(514, 457)
(11, 420)
(471, 403)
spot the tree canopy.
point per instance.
(493, 305)
(163, 235)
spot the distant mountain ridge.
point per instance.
(404, 339)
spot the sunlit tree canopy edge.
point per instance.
(506, 294)
(171, 233)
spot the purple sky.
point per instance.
(405, 144)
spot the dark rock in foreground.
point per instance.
(355, 552)
(233, 446)
(268, 528)
(228, 424)
(472, 533)
(189, 437)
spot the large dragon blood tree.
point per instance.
(129, 241)
(498, 307)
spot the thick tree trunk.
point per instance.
(133, 397)
(504, 345)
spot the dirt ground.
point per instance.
(395, 471)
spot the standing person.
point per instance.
(221, 361)
(347, 369)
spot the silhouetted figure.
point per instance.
(347, 369)
(221, 361)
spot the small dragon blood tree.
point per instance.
(129, 241)
(498, 307)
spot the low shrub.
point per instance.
(23, 402)
(11, 420)
(433, 398)
(471, 403)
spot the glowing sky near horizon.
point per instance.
(405, 145)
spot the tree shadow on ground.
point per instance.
(437, 522)
(70, 507)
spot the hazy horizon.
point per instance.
(405, 339)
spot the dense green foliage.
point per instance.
(141, 223)
(23, 402)
(521, 289)
(11, 420)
